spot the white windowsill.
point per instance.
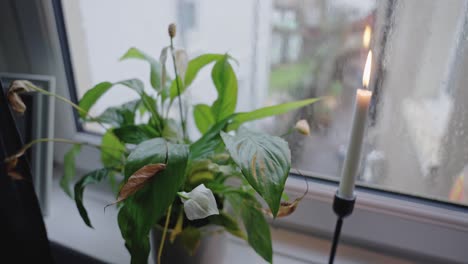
(65, 226)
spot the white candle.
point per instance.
(353, 155)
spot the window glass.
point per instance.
(417, 139)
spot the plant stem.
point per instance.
(63, 99)
(288, 132)
(183, 195)
(178, 91)
(163, 238)
(60, 140)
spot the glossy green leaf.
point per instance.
(265, 162)
(150, 104)
(225, 81)
(69, 169)
(90, 178)
(190, 239)
(257, 228)
(92, 95)
(155, 67)
(141, 211)
(135, 134)
(173, 92)
(241, 118)
(194, 66)
(228, 223)
(120, 115)
(134, 84)
(210, 142)
(204, 119)
(112, 150)
(172, 131)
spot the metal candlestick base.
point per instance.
(342, 208)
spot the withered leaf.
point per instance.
(139, 179)
(16, 103)
(16, 176)
(17, 87)
(11, 162)
(286, 208)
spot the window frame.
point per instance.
(440, 224)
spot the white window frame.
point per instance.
(391, 223)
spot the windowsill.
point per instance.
(105, 243)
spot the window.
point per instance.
(420, 50)
(288, 50)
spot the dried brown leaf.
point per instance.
(287, 208)
(16, 103)
(11, 162)
(16, 176)
(17, 87)
(138, 180)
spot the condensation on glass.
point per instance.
(417, 139)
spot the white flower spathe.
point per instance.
(199, 203)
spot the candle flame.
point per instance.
(367, 70)
(366, 37)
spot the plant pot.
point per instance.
(211, 249)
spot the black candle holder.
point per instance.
(342, 207)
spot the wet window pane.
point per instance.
(416, 141)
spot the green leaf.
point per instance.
(69, 168)
(112, 150)
(204, 119)
(210, 142)
(90, 178)
(135, 134)
(120, 115)
(142, 210)
(265, 162)
(194, 66)
(190, 238)
(134, 84)
(173, 92)
(172, 131)
(150, 105)
(228, 223)
(92, 95)
(257, 229)
(155, 66)
(225, 81)
(241, 118)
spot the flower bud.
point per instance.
(302, 127)
(172, 30)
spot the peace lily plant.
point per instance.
(169, 180)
